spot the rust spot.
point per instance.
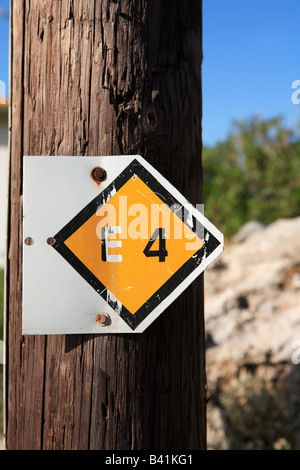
(98, 174)
(102, 319)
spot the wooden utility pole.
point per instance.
(106, 77)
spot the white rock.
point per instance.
(252, 304)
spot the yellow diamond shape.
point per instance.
(137, 211)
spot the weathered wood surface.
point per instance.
(106, 78)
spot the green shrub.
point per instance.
(258, 416)
(252, 175)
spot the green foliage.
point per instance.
(259, 416)
(253, 175)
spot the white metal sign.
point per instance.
(108, 244)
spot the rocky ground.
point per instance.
(252, 295)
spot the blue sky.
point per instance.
(251, 57)
(4, 44)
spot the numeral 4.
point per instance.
(161, 253)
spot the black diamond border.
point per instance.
(135, 168)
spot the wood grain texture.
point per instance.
(107, 77)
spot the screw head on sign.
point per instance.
(98, 174)
(102, 319)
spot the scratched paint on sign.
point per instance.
(137, 244)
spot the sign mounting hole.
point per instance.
(98, 174)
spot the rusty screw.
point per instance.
(102, 319)
(29, 241)
(98, 174)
